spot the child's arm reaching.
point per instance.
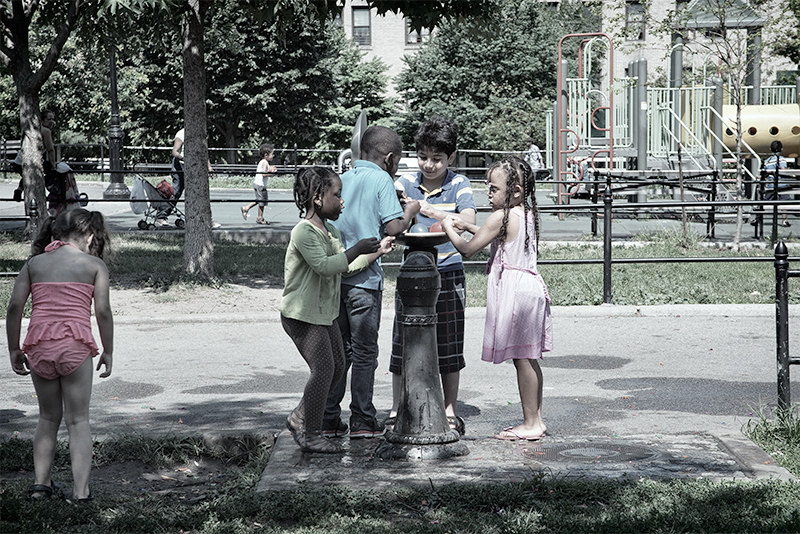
(482, 235)
(19, 296)
(384, 247)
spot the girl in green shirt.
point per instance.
(314, 264)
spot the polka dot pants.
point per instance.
(322, 349)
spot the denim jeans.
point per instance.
(359, 319)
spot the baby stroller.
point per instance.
(154, 202)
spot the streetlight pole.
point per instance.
(117, 188)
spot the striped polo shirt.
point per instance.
(454, 196)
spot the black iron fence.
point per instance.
(782, 275)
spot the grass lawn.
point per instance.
(542, 504)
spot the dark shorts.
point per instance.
(262, 196)
(449, 326)
(770, 195)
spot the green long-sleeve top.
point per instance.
(313, 270)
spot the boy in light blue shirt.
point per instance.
(372, 209)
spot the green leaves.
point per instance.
(493, 76)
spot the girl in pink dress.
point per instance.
(62, 277)
(518, 323)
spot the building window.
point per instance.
(634, 21)
(337, 19)
(361, 29)
(414, 37)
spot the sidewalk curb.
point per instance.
(754, 458)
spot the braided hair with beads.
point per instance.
(311, 183)
(518, 172)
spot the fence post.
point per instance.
(607, 242)
(595, 188)
(782, 324)
(712, 213)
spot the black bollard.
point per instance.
(421, 430)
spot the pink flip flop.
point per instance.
(516, 436)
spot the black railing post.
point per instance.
(712, 212)
(775, 207)
(595, 187)
(607, 242)
(782, 324)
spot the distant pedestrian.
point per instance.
(178, 180)
(265, 167)
(771, 164)
(518, 324)
(533, 155)
(315, 262)
(63, 277)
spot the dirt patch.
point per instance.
(189, 481)
(239, 294)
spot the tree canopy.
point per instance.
(495, 80)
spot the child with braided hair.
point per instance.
(315, 262)
(518, 324)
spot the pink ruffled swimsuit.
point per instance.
(59, 334)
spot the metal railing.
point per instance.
(782, 275)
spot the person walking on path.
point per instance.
(178, 179)
(440, 192)
(265, 167)
(518, 323)
(64, 275)
(315, 262)
(373, 210)
(533, 155)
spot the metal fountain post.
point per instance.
(421, 431)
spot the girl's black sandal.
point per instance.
(46, 491)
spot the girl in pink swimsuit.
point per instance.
(518, 323)
(63, 276)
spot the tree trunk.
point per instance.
(32, 157)
(198, 251)
(16, 57)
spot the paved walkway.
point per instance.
(657, 391)
(283, 215)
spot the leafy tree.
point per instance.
(787, 42)
(494, 79)
(198, 251)
(359, 86)
(29, 74)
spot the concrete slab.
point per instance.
(687, 456)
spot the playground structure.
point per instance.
(623, 129)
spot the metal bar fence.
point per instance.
(782, 275)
